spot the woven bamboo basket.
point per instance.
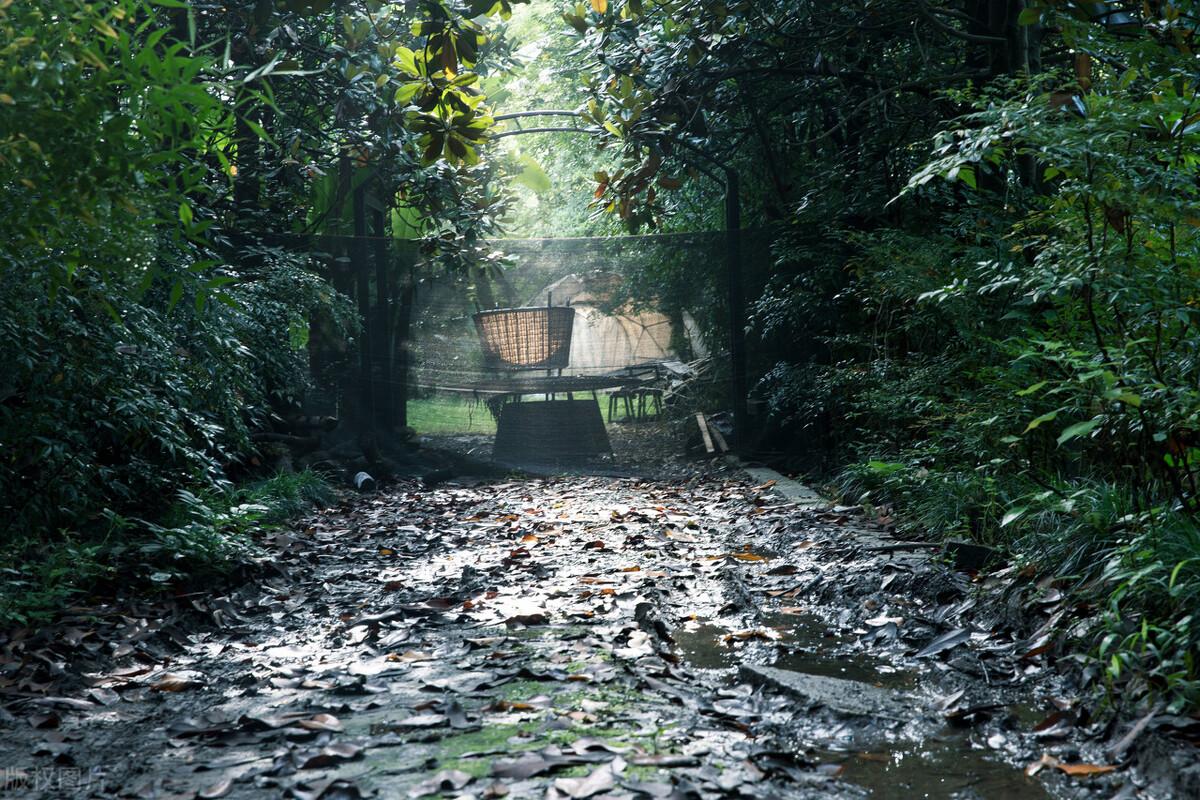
(526, 338)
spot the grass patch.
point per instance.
(447, 414)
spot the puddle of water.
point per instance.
(939, 768)
(852, 668)
(701, 646)
(795, 642)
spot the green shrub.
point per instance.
(198, 539)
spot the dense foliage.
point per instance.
(983, 304)
(151, 152)
(981, 309)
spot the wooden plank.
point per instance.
(718, 438)
(708, 443)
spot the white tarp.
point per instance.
(603, 341)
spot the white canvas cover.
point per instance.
(603, 341)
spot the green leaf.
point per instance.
(1047, 417)
(176, 294)
(408, 91)
(1078, 429)
(185, 213)
(1129, 399)
(1031, 389)
(966, 174)
(1012, 516)
(406, 60)
(259, 130)
(1175, 572)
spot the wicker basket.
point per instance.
(526, 338)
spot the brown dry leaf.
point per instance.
(807, 543)
(219, 789)
(601, 780)
(665, 761)
(175, 682)
(129, 672)
(329, 756)
(1085, 770)
(748, 557)
(766, 634)
(321, 722)
(510, 705)
(1046, 760)
(444, 782)
(631, 569)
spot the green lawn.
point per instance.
(449, 414)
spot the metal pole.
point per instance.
(383, 323)
(363, 290)
(737, 310)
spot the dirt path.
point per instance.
(567, 638)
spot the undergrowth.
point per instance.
(1140, 568)
(201, 538)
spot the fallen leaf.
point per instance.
(420, 721)
(944, 642)
(664, 761)
(175, 682)
(600, 780)
(321, 722)
(219, 789)
(448, 780)
(1046, 760)
(328, 756)
(525, 766)
(766, 634)
(1085, 770)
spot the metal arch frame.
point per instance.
(735, 295)
(517, 116)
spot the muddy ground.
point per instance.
(701, 634)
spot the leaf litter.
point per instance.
(531, 638)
